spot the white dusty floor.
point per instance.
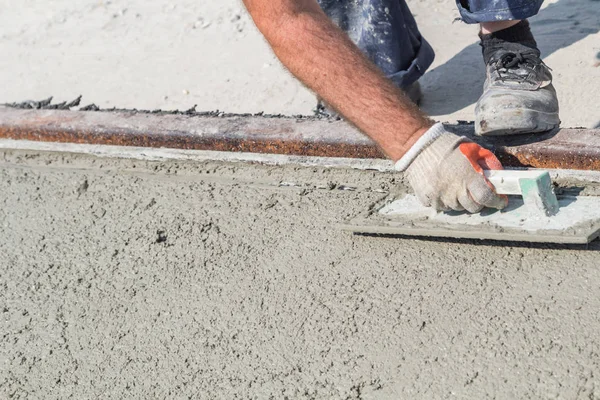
(174, 54)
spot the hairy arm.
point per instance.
(324, 58)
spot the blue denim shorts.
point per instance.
(475, 11)
(386, 31)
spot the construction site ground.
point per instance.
(223, 280)
(174, 54)
(140, 278)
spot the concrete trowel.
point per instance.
(534, 214)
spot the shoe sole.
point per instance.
(514, 122)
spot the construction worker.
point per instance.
(363, 59)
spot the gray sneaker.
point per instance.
(518, 95)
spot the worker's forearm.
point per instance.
(322, 56)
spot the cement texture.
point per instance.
(214, 280)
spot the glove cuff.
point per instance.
(424, 141)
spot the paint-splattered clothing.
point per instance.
(387, 33)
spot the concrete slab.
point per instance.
(199, 276)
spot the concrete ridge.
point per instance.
(166, 154)
(577, 149)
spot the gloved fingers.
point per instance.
(435, 203)
(482, 192)
(452, 202)
(439, 205)
(426, 197)
(468, 203)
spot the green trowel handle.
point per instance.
(535, 186)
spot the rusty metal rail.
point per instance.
(564, 148)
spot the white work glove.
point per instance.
(446, 172)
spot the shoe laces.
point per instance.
(508, 64)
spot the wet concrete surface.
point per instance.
(138, 279)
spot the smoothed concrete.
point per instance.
(142, 279)
(576, 222)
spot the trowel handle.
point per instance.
(507, 181)
(534, 186)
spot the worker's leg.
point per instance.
(518, 93)
(387, 33)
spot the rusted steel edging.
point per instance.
(577, 149)
(564, 148)
(306, 137)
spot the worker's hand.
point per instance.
(446, 172)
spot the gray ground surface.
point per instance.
(173, 54)
(132, 279)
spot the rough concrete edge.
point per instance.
(575, 174)
(163, 154)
